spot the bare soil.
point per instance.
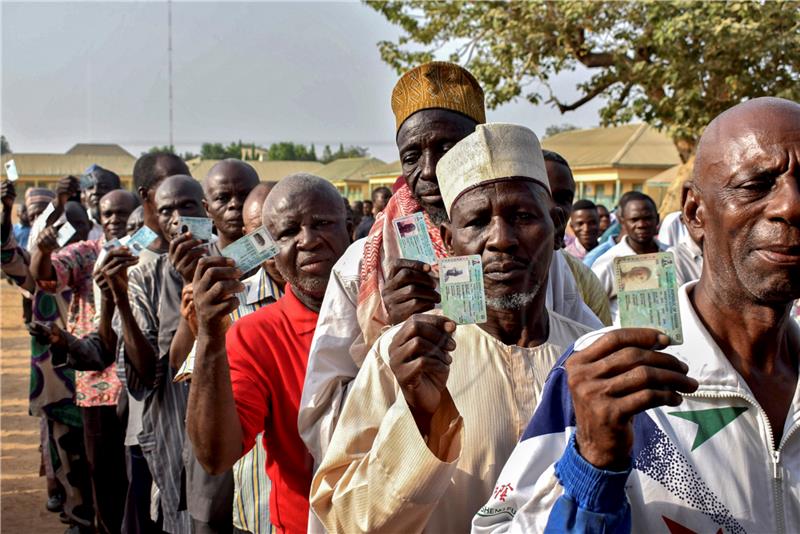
(23, 492)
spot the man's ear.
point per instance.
(693, 211)
(447, 237)
(142, 194)
(205, 206)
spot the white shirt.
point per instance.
(672, 229)
(688, 259)
(603, 267)
(338, 349)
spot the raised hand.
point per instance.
(188, 312)
(66, 188)
(47, 241)
(184, 253)
(409, 289)
(215, 285)
(115, 271)
(615, 378)
(47, 333)
(7, 195)
(420, 360)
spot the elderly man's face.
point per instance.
(226, 191)
(422, 140)
(508, 224)
(750, 206)
(175, 199)
(312, 234)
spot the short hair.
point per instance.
(584, 204)
(599, 206)
(385, 190)
(632, 196)
(555, 157)
(144, 169)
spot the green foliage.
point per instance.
(5, 147)
(554, 129)
(342, 152)
(675, 64)
(218, 151)
(286, 151)
(171, 149)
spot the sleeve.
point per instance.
(84, 354)
(602, 269)
(592, 291)
(146, 318)
(564, 297)
(379, 474)
(331, 367)
(72, 263)
(15, 262)
(251, 389)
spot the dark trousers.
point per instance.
(137, 504)
(104, 438)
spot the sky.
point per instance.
(306, 72)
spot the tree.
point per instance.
(342, 152)
(554, 129)
(675, 65)
(218, 151)
(5, 146)
(171, 150)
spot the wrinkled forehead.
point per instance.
(748, 143)
(504, 192)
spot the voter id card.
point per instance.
(647, 293)
(461, 287)
(413, 238)
(251, 250)
(65, 233)
(140, 240)
(11, 170)
(200, 227)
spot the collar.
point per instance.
(707, 363)
(624, 246)
(260, 287)
(302, 319)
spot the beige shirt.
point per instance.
(378, 473)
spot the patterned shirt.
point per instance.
(52, 387)
(74, 266)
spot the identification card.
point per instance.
(412, 235)
(461, 286)
(65, 233)
(647, 293)
(140, 240)
(109, 245)
(251, 250)
(200, 227)
(11, 171)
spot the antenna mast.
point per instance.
(169, 60)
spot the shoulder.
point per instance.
(565, 331)
(350, 262)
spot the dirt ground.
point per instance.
(22, 491)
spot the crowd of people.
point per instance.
(326, 391)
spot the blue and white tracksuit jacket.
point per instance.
(708, 466)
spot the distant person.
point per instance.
(638, 215)
(380, 197)
(135, 221)
(562, 190)
(99, 181)
(358, 214)
(605, 218)
(22, 229)
(585, 224)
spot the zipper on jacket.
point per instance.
(775, 454)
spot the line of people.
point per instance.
(326, 390)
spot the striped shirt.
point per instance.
(154, 290)
(251, 484)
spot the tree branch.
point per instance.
(563, 108)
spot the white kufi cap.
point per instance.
(492, 152)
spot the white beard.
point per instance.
(517, 301)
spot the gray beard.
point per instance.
(517, 301)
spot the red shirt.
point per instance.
(268, 355)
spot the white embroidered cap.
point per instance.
(492, 152)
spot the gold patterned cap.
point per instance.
(494, 151)
(438, 84)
